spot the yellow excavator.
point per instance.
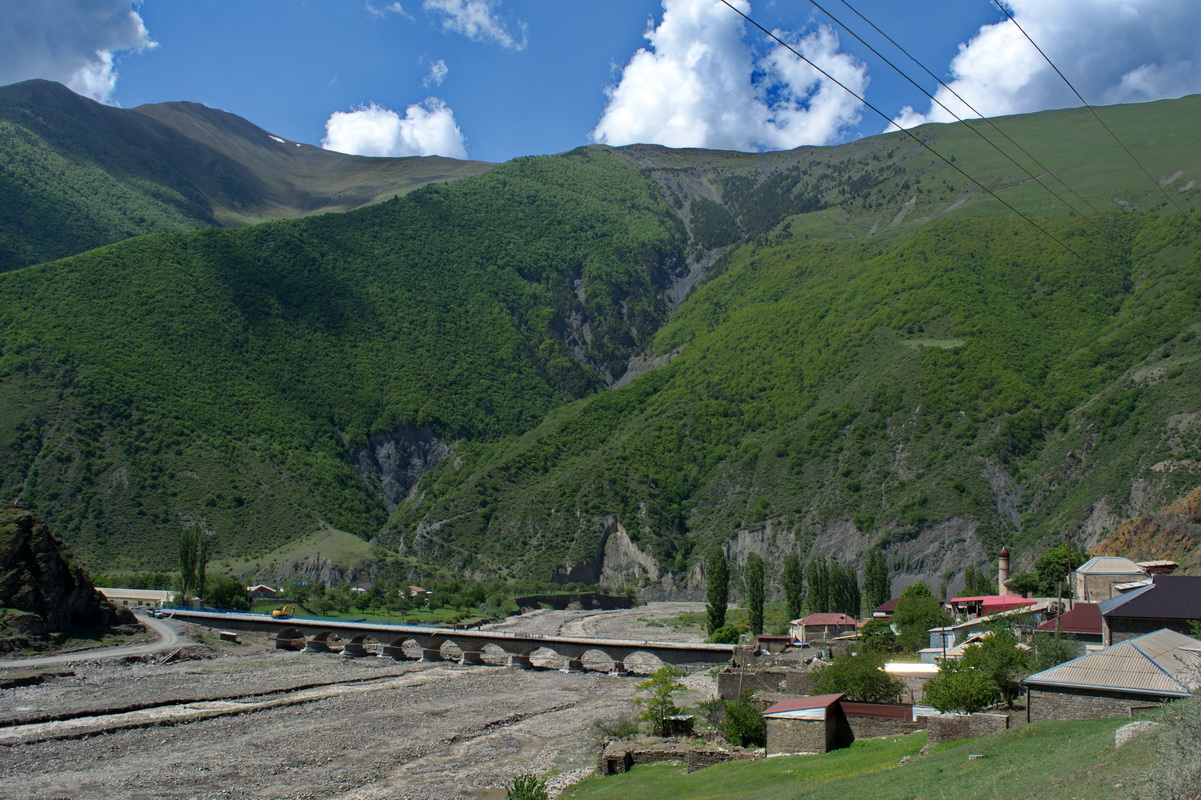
(283, 612)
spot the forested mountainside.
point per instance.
(596, 364)
(75, 174)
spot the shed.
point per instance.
(824, 722)
(805, 724)
(1119, 680)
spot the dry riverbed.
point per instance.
(251, 722)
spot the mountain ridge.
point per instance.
(824, 350)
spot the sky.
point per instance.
(497, 79)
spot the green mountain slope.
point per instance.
(75, 174)
(503, 373)
(234, 379)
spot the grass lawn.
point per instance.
(1045, 761)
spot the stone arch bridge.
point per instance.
(450, 644)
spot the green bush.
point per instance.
(527, 787)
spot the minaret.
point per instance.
(1003, 571)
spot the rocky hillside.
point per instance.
(43, 594)
(596, 365)
(1173, 533)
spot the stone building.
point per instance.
(822, 723)
(1095, 580)
(1136, 674)
(1167, 601)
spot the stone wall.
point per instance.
(1119, 629)
(875, 727)
(732, 683)
(1062, 703)
(799, 735)
(620, 757)
(947, 727)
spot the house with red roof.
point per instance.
(1082, 623)
(822, 626)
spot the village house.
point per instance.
(1134, 675)
(1082, 623)
(822, 627)
(1167, 601)
(1098, 578)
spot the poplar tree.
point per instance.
(877, 585)
(844, 590)
(794, 585)
(718, 593)
(753, 577)
(193, 562)
(817, 576)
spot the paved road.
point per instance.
(168, 638)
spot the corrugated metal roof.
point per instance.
(1156, 663)
(1083, 618)
(1166, 597)
(1110, 565)
(825, 618)
(804, 703)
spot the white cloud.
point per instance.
(1113, 51)
(701, 84)
(70, 41)
(379, 12)
(478, 21)
(437, 74)
(427, 129)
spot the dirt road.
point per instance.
(168, 638)
(259, 723)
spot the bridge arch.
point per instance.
(289, 639)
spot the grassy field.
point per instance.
(1058, 760)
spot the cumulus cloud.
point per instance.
(1113, 51)
(427, 129)
(74, 42)
(700, 83)
(478, 21)
(437, 73)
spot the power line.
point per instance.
(968, 105)
(1118, 284)
(1092, 110)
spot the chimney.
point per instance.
(1003, 571)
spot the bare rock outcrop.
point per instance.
(42, 593)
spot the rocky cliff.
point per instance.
(42, 593)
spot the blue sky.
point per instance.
(496, 79)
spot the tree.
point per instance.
(877, 585)
(1049, 649)
(914, 617)
(999, 656)
(754, 593)
(958, 687)
(658, 705)
(861, 677)
(726, 634)
(794, 586)
(227, 592)
(917, 589)
(718, 593)
(1053, 566)
(742, 722)
(876, 634)
(817, 576)
(977, 584)
(193, 561)
(844, 590)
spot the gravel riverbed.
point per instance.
(246, 721)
